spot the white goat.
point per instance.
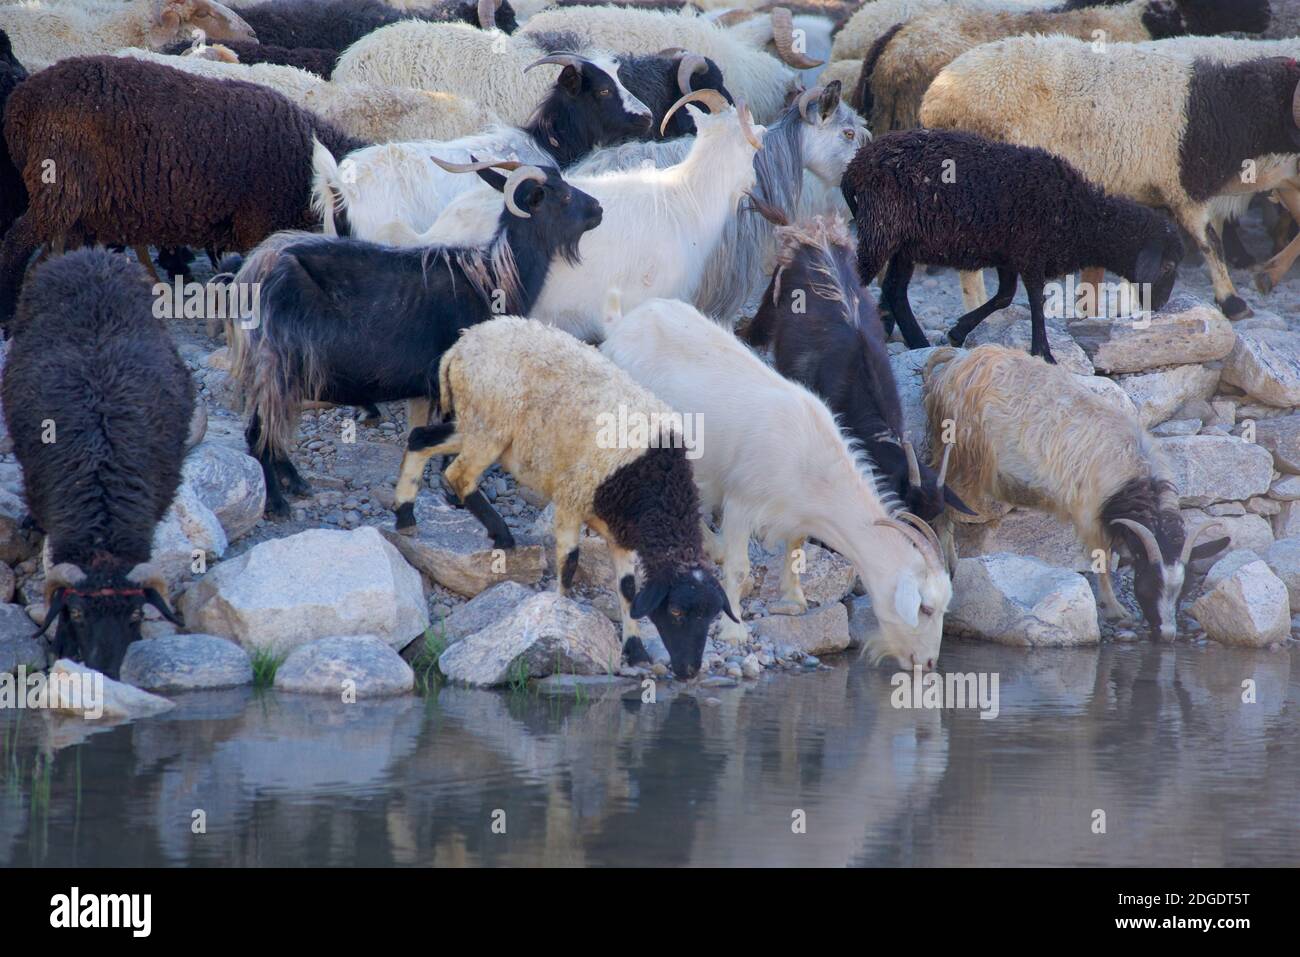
(774, 462)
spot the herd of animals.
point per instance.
(516, 217)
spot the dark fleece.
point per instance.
(1139, 500)
(1008, 206)
(312, 59)
(651, 506)
(13, 195)
(231, 168)
(337, 24)
(1257, 97)
(90, 356)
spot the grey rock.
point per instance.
(585, 685)
(1285, 489)
(16, 543)
(827, 577)
(1281, 436)
(484, 609)
(819, 631)
(862, 620)
(1158, 395)
(1283, 560)
(1248, 607)
(1226, 565)
(1211, 468)
(1021, 601)
(1177, 427)
(1010, 327)
(1245, 531)
(350, 666)
(1265, 364)
(908, 367)
(186, 663)
(188, 528)
(1023, 532)
(19, 650)
(1186, 331)
(229, 483)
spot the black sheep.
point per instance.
(311, 344)
(825, 333)
(948, 198)
(99, 405)
(131, 169)
(13, 195)
(312, 59)
(337, 24)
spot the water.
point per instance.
(1157, 738)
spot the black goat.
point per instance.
(337, 24)
(99, 405)
(825, 333)
(13, 194)
(955, 199)
(312, 59)
(660, 79)
(310, 343)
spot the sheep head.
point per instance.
(176, 20)
(682, 605)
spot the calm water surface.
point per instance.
(1158, 738)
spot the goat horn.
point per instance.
(1188, 545)
(943, 467)
(521, 174)
(929, 548)
(691, 64)
(913, 466)
(806, 98)
(1148, 539)
(714, 100)
(747, 125)
(487, 13)
(783, 40)
(559, 59)
(475, 166)
(62, 575)
(148, 575)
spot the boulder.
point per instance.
(17, 646)
(1281, 436)
(1187, 331)
(1216, 468)
(485, 608)
(288, 591)
(451, 548)
(827, 576)
(84, 692)
(1014, 600)
(1286, 523)
(1245, 531)
(1011, 327)
(1248, 607)
(547, 634)
(362, 666)
(1283, 560)
(189, 527)
(1265, 364)
(186, 663)
(1226, 565)
(818, 631)
(229, 483)
(1285, 489)
(1158, 395)
(1024, 532)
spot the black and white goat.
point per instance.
(310, 343)
(825, 333)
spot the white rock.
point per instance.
(189, 528)
(285, 592)
(186, 662)
(1265, 363)
(81, 691)
(1186, 331)
(1158, 395)
(229, 483)
(485, 608)
(547, 634)
(1021, 601)
(1248, 607)
(349, 666)
(1215, 468)
(1109, 390)
(818, 631)
(1283, 560)
(1226, 565)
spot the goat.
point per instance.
(825, 334)
(310, 344)
(1032, 435)
(776, 463)
(955, 199)
(529, 396)
(89, 356)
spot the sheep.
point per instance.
(775, 462)
(824, 333)
(153, 174)
(660, 227)
(13, 194)
(761, 80)
(535, 398)
(813, 139)
(310, 343)
(400, 182)
(899, 67)
(1031, 435)
(90, 360)
(955, 199)
(1160, 129)
(366, 113)
(313, 60)
(337, 24)
(43, 34)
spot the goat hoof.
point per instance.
(1264, 282)
(278, 511)
(1235, 308)
(505, 542)
(405, 518)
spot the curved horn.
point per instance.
(691, 64)
(62, 575)
(746, 124)
(475, 166)
(943, 467)
(928, 547)
(807, 98)
(714, 100)
(783, 40)
(1188, 545)
(487, 13)
(1148, 539)
(913, 466)
(148, 575)
(520, 174)
(559, 59)
(924, 528)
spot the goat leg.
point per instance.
(1268, 275)
(1038, 345)
(792, 600)
(895, 296)
(1234, 247)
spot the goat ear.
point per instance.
(726, 603)
(907, 600)
(829, 101)
(1147, 268)
(493, 179)
(1207, 549)
(953, 501)
(650, 597)
(570, 80)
